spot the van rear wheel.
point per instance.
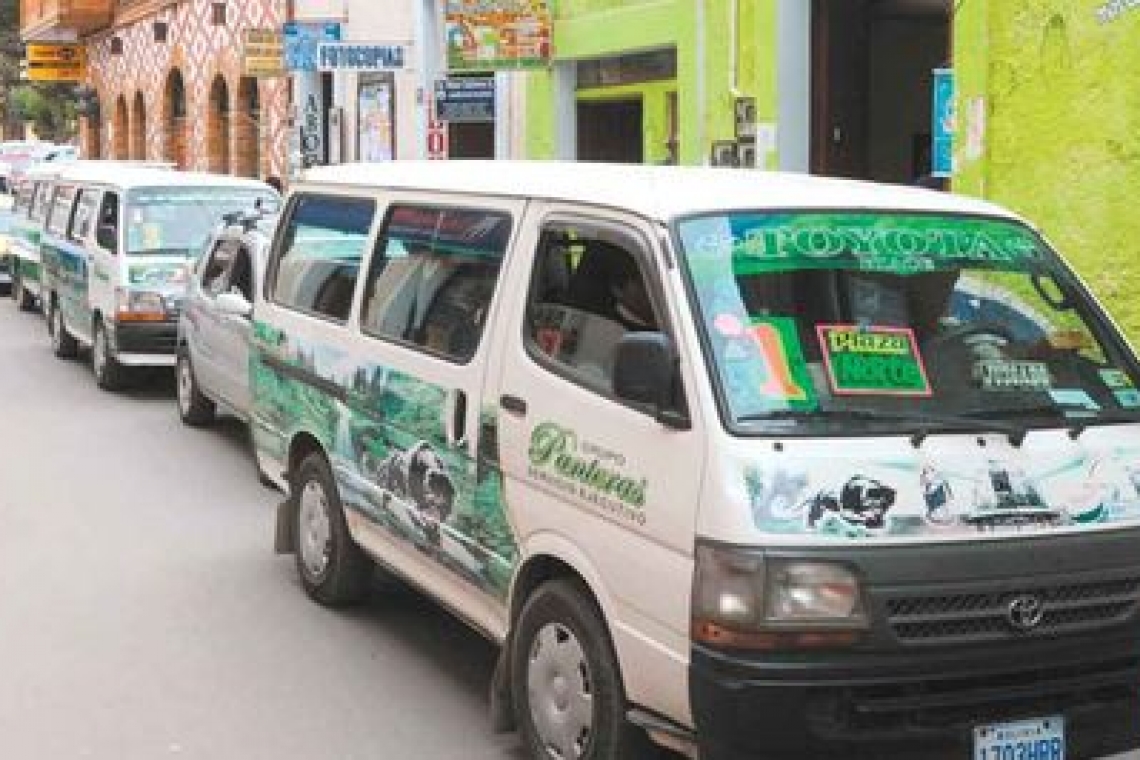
(63, 344)
(568, 695)
(333, 569)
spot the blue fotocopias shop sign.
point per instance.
(302, 40)
(942, 128)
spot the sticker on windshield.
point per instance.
(1002, 375)
(1074, 399)
(1116, 379)
(785, 375)
(872, 361)
(1128, 398)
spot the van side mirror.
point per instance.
(234, 305)
(107, 237)
(645, 372)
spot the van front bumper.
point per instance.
(915, 706)
(145, 344)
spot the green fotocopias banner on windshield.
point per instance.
(897, 243)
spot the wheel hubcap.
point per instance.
(185, 384)
(560, 692)
(315, 543)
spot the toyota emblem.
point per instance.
(1025, 612)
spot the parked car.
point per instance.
(215, 327)
(29, 213)
(116, 249)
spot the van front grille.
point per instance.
(979, 616)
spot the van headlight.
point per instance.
(139, 306)
(743, 599)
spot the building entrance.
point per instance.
(610, 130)
(872, 63)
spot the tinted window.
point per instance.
(84, 214)
(320, 252)
(587, 292)
(41, 201)
(433, 276)
(61, 210)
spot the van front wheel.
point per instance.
(109, 374)
(334, 570)
(568, 695)
(63, 344)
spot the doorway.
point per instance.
(872, 64)
(610, 130)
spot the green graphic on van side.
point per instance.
(876, 242)
(558, 459)
(383, 431)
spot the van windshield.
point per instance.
(829, 323)
(177, 221)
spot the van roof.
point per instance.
(128, 174)
(662, 193)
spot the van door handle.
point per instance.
(513, 404)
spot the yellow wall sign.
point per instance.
(56, 63)
(263, 53)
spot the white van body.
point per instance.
(116, 246)
(754, 502)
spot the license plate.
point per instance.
(1038, 739)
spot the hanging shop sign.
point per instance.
(942, 127)
(465, 99)
(505, 34)
(301, 41)
(263, 53)
(361, 56)
(55, 63)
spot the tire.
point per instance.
(568, 696)
(109, 374)
(195, 409)
(24, 299)
(334, 571)
(63, 344)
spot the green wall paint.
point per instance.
(585, 29)
(1061, 119)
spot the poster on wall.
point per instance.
(942, 129)
(508, 34)
(301, 41)
(376, 120)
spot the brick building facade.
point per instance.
(169, 80)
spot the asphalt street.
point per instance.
(143, 613)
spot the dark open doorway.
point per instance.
(610, 130)
(871, 85)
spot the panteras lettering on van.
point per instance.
(586, 471)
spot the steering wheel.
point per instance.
(962, 334)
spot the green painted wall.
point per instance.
(1049, 125)
(585, 29)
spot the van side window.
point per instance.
(61, 209)
(586, 294)
(42, 201)
(85, 212)
(109, 212)
(319, 256)
(215, 276)
(432, 277)
(24, 196)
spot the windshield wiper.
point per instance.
(1076, 426)
(925, 422)
(162, 252)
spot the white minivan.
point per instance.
(115, 251)
(755, 465)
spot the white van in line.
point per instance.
(116, 246)
(756, 465)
